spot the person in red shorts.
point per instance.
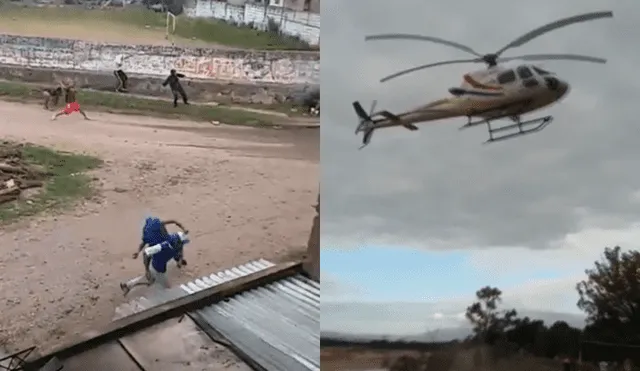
(72, 104)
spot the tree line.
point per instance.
(610, 298)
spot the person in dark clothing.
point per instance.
(122, 81)
(176, 88)
(51, 95)
(120, 75)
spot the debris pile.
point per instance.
(16, 174)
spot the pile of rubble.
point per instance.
(16, 174)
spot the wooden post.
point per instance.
(312, 264)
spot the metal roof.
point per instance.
(277, 326)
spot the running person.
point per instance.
(155, 232)
(51, 95)
(72, 104)
(173, 80)
(160, 255)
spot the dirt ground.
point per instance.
(109, 33)
(448, 359)
(361, 359)
(243, 193)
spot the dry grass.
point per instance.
(134, 26)
(360, 358)
(66, 180)
(450, 359)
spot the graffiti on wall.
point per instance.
(283, 71)
(240, 67)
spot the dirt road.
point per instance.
(243, 193)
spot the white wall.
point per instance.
(242, 67)
(303, 24)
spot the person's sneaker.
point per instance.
(125, 288)
(53, 117)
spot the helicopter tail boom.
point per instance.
(367, 124)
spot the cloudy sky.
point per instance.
(428, 217)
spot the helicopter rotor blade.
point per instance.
(554, 26)
(566, 57)
(373, 107)
(362, 114)
(402, 36)
(425, 66)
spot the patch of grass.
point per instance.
(67, 183)
(223, 33)
(289, 109)
(210, 31)
(121, 103)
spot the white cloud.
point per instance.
(542, 206)
(413, 187)
(555, 298)
(572, 254)
(333, 289)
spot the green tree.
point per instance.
(528, 334)
(489, 323)
(562, 339)
(610, 296)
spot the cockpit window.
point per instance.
(540, 71)
(506, 77)
(524, 72)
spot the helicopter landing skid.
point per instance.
(523, 127)
(518, 129)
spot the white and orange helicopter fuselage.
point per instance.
(480, 95)
(487, 95)
(491, 94)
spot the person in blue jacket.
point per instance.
(159, 255)
(154, 232)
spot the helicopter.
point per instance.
(495, 93)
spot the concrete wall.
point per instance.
(206, 91)
(237, 66)
(305, 25)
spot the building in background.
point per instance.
(312, 6)
(287, 14)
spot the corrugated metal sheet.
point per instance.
(157, 296)
(277, 325)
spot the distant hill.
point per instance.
(382, 344)
(451, 333)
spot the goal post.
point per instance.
(171, 25)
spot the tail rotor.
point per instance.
(366, 124)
